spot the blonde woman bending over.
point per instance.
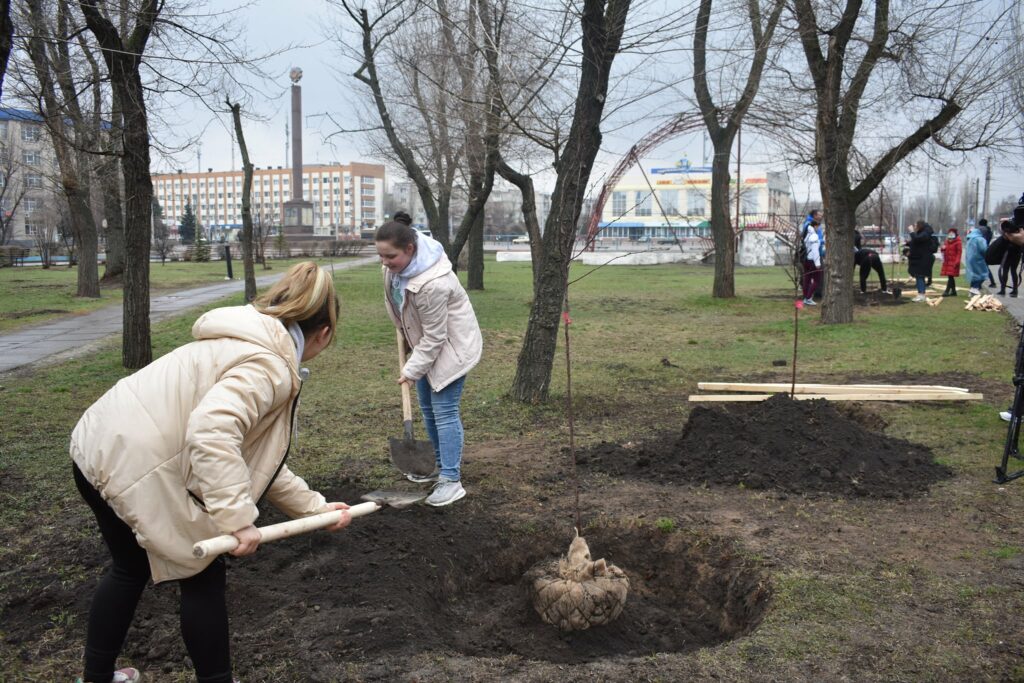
(184, 449)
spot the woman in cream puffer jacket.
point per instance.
(185, 448)
(430, 308)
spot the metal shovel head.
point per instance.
(412, 457)
(395, 499)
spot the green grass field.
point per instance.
(626, 321)
(32, 295)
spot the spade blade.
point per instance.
(412, 457)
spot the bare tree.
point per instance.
(921, 67)
(12, 192)
(71, 133)
(247, 226)
(44, 235)
(436, 105)
(723, 123)
(6, 38)
(602, 23)
(122, 53)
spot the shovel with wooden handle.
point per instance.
(275, 532)
(407, 454)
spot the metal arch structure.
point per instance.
(678, 125)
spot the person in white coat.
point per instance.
(427, 303)
(184, 449)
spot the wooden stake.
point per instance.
(805, 388)
(916, 396)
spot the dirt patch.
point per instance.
(794, 446)
(400, 583)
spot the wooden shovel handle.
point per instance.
(274, 532)
(406, 395)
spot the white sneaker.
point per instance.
(920, 297)
(445, 493)
(809, 302)
(128, 675)
(1005, 415)
(974, 292)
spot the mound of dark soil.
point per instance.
(400, 583)
(794, 446)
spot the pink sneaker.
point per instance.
(127, 675)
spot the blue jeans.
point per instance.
(921, 285)
(444, 424)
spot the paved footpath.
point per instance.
(1014, 306)
(33, 344)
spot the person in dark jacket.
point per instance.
(1007, 255)
(920, 257)
(986, 232)
(868, 260)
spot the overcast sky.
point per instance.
(272, 24)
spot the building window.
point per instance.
(669, 201)
(643, 203)
(31, 158)
(31, 228)
(618, 204)
(30, 132)
(695, 204)
(748, 202)
(32, 205)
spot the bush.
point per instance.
(347, 247)
(10, 255)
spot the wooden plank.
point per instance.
(805, 388)
(937, 396)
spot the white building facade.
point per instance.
(345, 197)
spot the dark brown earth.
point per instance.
(401, 583)
(781, 444)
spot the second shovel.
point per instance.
(407, 454)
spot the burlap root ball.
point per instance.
(574, 593)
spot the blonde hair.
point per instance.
(305, 296)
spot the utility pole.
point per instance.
(199, 157)
(976, 216)
(899, 228)
(739, 152)
(988, 181)
(927, 190)
(287, 138)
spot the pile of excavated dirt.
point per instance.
(792, 446)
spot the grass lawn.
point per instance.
(32, 295)
(943, 602)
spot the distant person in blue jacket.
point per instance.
(974, 261)
(987, 232)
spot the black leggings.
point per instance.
(1009, 266)
(204, 614)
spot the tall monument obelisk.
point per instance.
(298, 213)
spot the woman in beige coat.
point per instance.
(184, 449)
(427, 303)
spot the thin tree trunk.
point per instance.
(475, 272)
(71, 161)
(721, 227)
(6, 38)
(113, 212)
(247, 231)
(602, 22)
(123, 58)
(525, 185)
